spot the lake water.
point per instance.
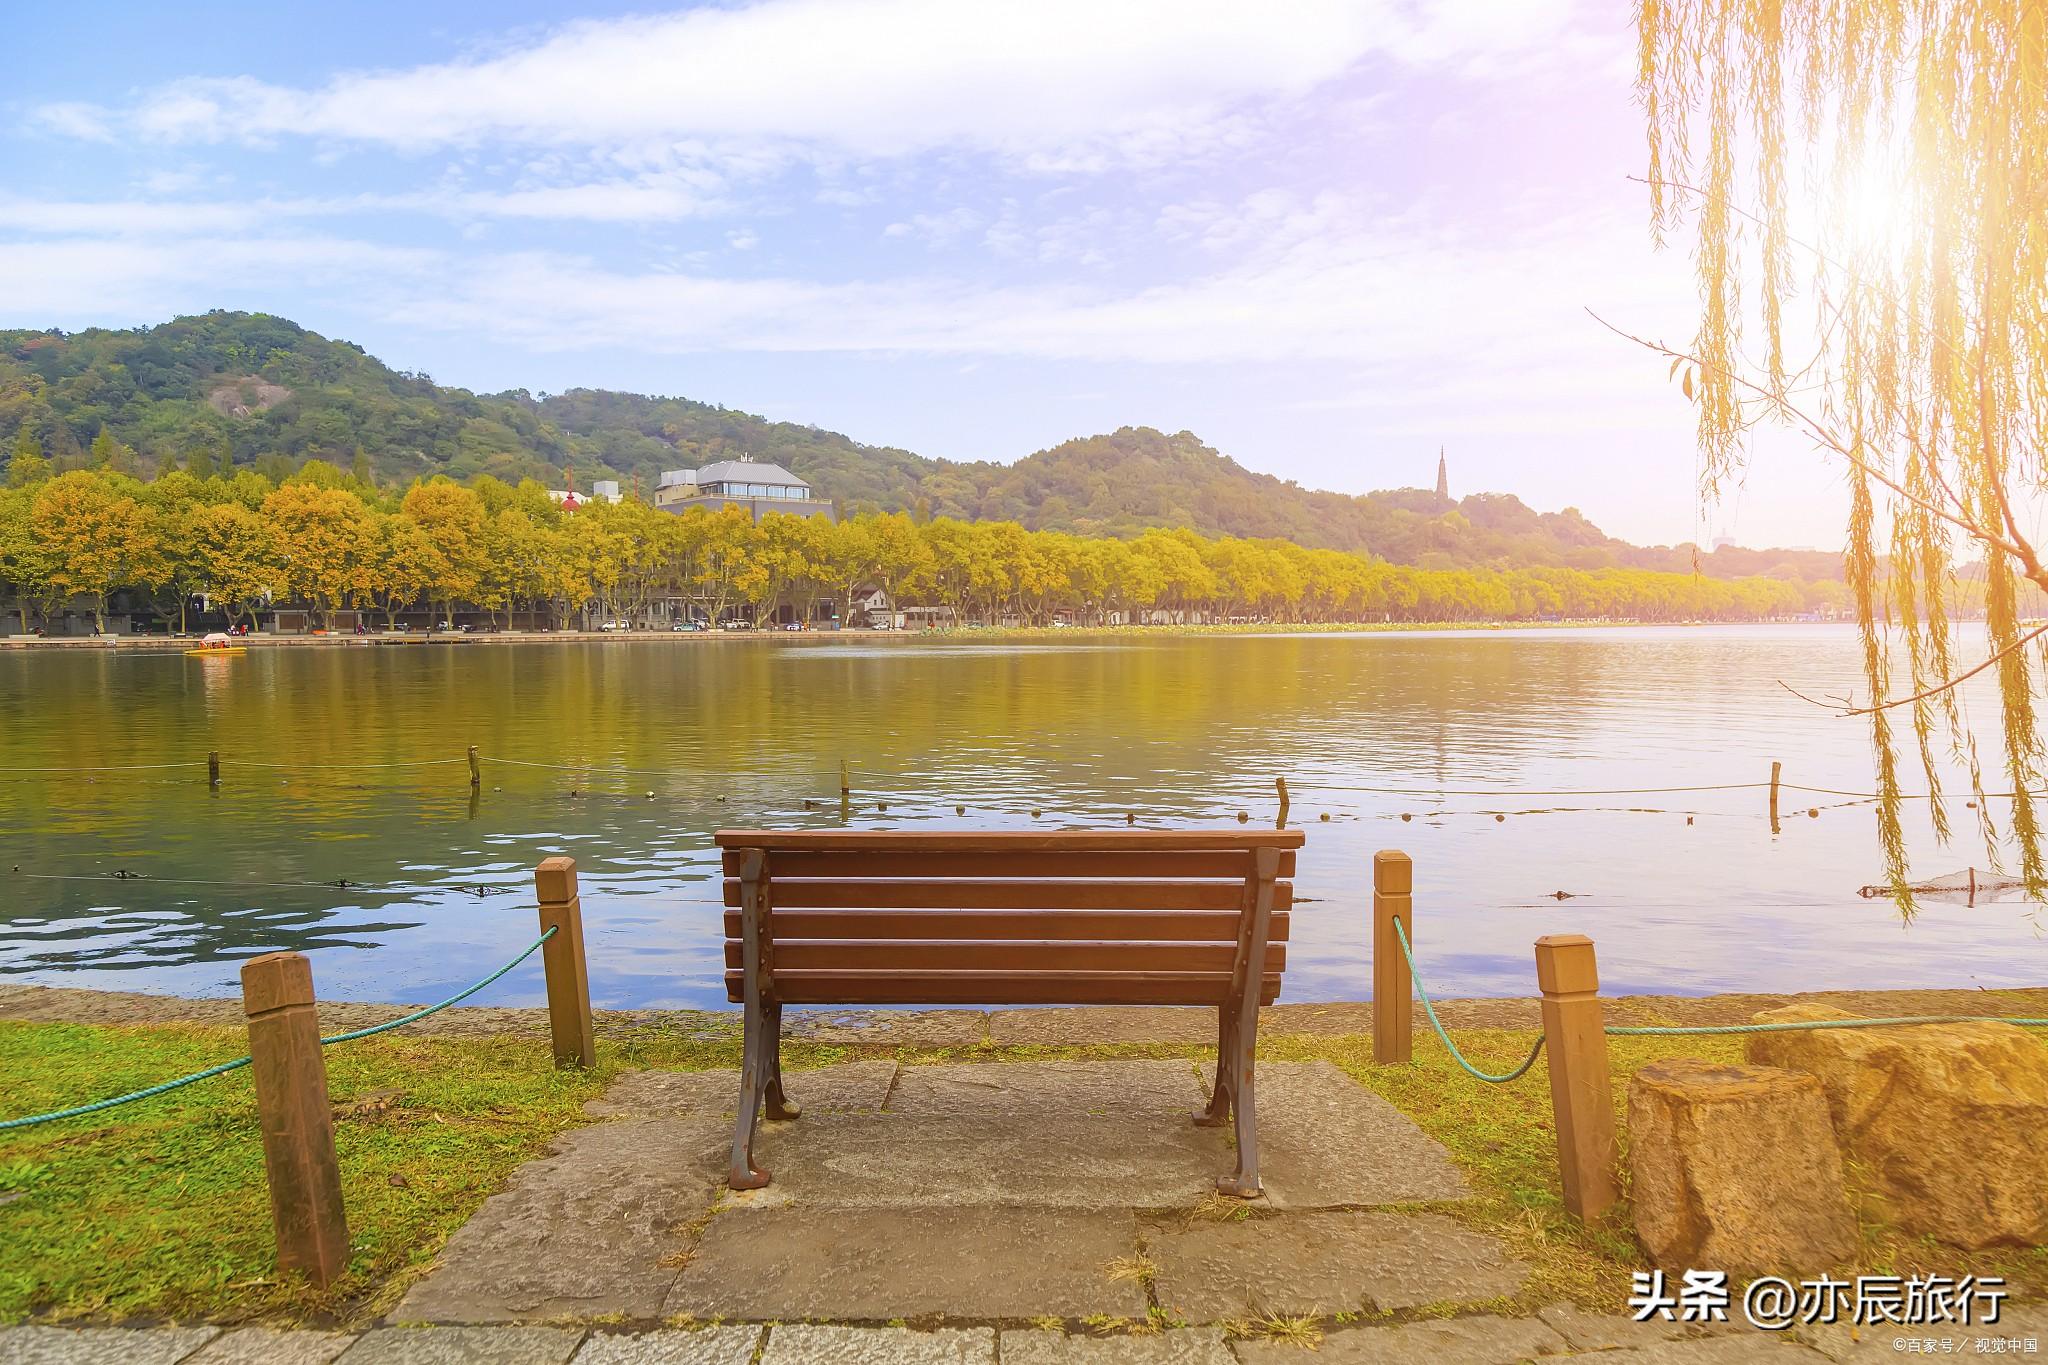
(1179, 731)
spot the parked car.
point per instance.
(793, 625)
(687, 625)
(737, 624)
(612, 625)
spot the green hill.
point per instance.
(250, 389)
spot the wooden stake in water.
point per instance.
(1776, 769)
(213, 768)
(1581, 1094)
(476, 775)
(845, 788)
(290, 1072)
(1393, 986)
(1280, 786)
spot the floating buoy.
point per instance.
(1130, 817)
(1242, 817)
(650, 796)
(881, 805)
(1814, 813)
(1688, 819)
(1034, 815)
(1406, 817)
(1499, 819)
(959, 810)
(1324, 817)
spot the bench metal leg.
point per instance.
(1217, 1113)
(744, 1174)
(1244, 1100)
(779, 1107)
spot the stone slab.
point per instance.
(1857, 1346)
(889, 1028)
(1049, 1160)
(1479, 1340)
(1085, 1024)
(1325, 1141)
(854, 1087)
(702, 1346)
(580, 1232)
(805, 1344)
(879, 1265)
(1586, 1330)
(1183, 1346)
(465, 1346)
(1036, 1089)
(1749, 1348)
(1325, 1262)
(273, 1346)
(101, 1345)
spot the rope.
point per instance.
(578, 767)
(98, 1105)
(1645, 1031)
(477, 889)
(114, 767)
(1429, 1009)
(293, 767)
(531, 949)
(166, 1087)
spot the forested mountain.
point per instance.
(252, 390)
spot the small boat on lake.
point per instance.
(216, 645)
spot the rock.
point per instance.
(1946, 1123)
(1735, 1168)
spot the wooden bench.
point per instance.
(847, 917)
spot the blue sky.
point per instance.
(1327, 237)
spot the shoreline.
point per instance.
(164, 644)
(1066, 1025)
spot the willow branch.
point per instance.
(1821, 433)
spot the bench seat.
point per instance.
(1127, 917)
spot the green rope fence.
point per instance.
(1429, 1009)
(1676, 1031)
(166, 1087)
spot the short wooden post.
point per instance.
(1280, 786)
(476, 775)
(1581, 1095)
(1776, 769)
(845, 788)
(568, 975)
(1393, 985)
(292, 1110)
(213, 768)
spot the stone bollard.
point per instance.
(1948, 1123)
(1393, 985)
(298, 1126)
(561, 909)
(1735, 1168)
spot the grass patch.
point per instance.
(157, 1211)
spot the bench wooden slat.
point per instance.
(940, 955)
(1001, 988)
(1008, 841)
(1136, 926)
(1098, 863)
(923, 893)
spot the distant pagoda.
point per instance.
(1443, 478)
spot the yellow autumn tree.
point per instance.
(1864, 184)
(98, 537)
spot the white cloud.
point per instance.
(1059, 84)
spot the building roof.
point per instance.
(748, 471)
(675, 478)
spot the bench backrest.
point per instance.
(1128, 917)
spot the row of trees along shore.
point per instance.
(327, 540)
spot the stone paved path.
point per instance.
(968, 1192)
(1557, 1334)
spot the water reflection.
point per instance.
(627, 754)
